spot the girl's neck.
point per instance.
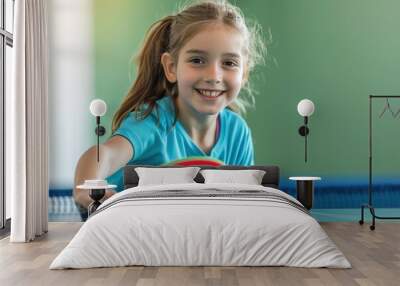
(198, 126)
(201, 128)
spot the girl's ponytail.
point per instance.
(150, 84)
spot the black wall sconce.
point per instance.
(98, 108)
(305, 108)
(97, 187)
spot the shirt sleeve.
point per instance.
(247, 157)
(142, 134)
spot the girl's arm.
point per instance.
(114, 154)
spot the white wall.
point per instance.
(71, 86)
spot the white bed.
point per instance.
(250, 225)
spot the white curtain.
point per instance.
(27, 123)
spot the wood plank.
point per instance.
(374, 255)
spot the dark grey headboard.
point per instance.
(271, 177)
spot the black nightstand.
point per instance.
(305, 190)
(97, 189)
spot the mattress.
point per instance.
(201, 225)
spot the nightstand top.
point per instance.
(305, 178)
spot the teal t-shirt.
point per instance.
(160, 142)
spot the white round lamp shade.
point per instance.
(305, 107)
(98, 107)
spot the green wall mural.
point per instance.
(335, 53)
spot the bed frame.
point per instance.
(131, 179)
(270, 179)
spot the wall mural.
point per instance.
(334, 54)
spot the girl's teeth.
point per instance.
(210, 93)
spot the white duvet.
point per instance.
(182, 231)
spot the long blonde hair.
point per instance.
(170, 34)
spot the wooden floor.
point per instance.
(374, 255)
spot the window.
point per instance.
(6, 45)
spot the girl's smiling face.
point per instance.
(210, 70)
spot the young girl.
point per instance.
(183, 106)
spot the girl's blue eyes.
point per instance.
(201, 61)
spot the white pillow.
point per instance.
(248, 177)
(164, 176)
